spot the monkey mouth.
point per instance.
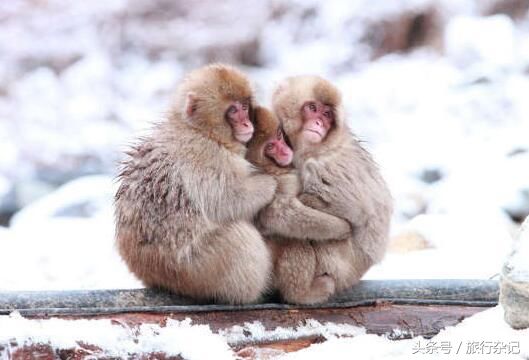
(244, 136)
(314, 131)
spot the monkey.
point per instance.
(338, 176)
(296, 273)
(187, 196)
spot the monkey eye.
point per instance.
(312, 107)
(232, 109)
(245, 106)
(269, 146)
(327, 114)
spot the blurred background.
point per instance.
(438, 90)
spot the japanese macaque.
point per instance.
(338, 176)
(297, 274)
(187, 198)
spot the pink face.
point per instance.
(238, 117)
(318, 119)
(278, 150)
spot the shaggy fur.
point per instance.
(187, 198)
(297, 274)
(338, 177)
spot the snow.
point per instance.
(473, 335)
(175, 338)
(82, 80)
(466, 45)
(486, 328)
(66, 241)
(255, 331)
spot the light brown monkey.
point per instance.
(338, 176)
(297, 274)
(187, 198)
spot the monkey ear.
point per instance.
(191, 103)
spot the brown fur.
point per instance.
(297, 273)
(187, 198)
(338, 177)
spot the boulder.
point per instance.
(514, 289)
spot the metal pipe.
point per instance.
(368, 292)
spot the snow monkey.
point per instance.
(297, 274)
(187, 198)
(338, 176)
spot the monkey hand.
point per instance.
(313, 201)
(288, 184)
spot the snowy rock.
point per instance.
(514, 293)
(7, 200)
(83, 197)
(405, 31)
(31, 190)
(515, 9)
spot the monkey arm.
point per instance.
(290, 218)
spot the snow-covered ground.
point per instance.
(447, 122)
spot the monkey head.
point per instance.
(269, 148)
(217, 100)
(311, 110)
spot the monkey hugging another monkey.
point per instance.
(225, 201)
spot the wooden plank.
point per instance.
(382, 318)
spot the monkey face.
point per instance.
(238, 117)
(318, 119)
(277, 149)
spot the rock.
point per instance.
(431, 176)
(84, 197)
(516, 9)
(7, 200)
(30, 190)
(514, 289)
(405, 31)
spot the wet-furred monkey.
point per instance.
(187, 196)
(338, 176)
(297, 274)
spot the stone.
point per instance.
(514, 284)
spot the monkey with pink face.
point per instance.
(298, 274)
(339, 178)
(187, 196)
